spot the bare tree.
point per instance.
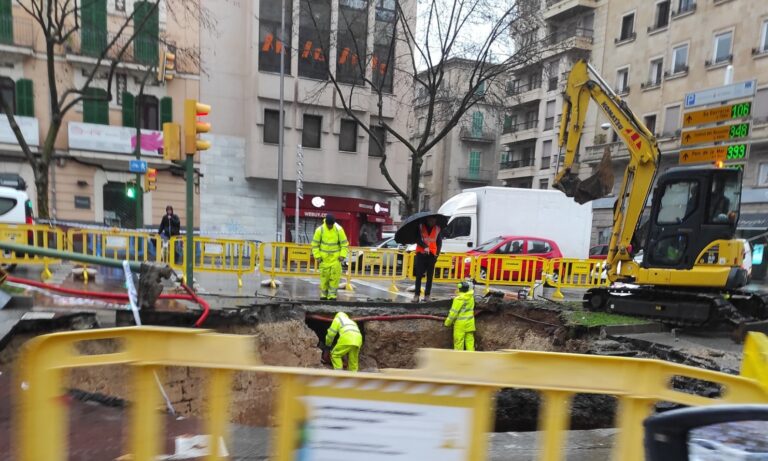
(488, 39)
(60, 23)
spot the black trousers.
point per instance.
(424, 264)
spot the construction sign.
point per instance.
(351, 419)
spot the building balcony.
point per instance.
(17, 36)
(475, 176)
(523, 94)
(30, 129)
(520, 132)
(559, 9)
(481, 136)
(513, 169)
(593, 154)
(576, 38)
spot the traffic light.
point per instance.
(193, 127)
(166, 68)
(150, 179)
(130, 189)
(171, 141)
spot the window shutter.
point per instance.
(25, 98)
(6, 22)
(96, 110)
(129, 110)
(94, 27)
(166, 111)
(145, 42)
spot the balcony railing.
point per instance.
(475, 175)
(527, 125)
(513, 90)
(520, 163)
(563, 35)
(469, 134)
(595, 153)
(16, 31)
(719, 60)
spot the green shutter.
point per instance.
(6, 22)
(474, 163)
(166, 111)
(507, 123)
(129, 110)
(93, 33)
(25, 98)
(145, 43)
(477, 124)
(96, 110)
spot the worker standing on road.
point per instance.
(349, 343)
(329, 248)
(427, 251)
(462, 317)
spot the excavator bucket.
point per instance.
(596, 186)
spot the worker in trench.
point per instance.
(462, 317)
(349, 343)
(330, 247)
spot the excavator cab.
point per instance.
(692, 207)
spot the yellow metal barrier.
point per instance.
(115, 244)
(376, 264)
(287, 260)
(215, 255)
(449, 267)
(45, 359)
(576, 273)
(509, 270)
(34, 235)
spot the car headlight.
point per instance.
(467, 260)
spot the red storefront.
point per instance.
(362, 220)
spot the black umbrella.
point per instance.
(409, 230)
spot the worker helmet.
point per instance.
(463, 286)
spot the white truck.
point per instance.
(480, 214)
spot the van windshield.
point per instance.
(488, 246)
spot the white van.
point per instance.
(15, 206)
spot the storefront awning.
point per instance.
(753, 221)
(339, 215)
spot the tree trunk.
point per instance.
(412, 204)
(42, 168)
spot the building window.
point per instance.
(121, 86)
(549, 119)
(96, 106)
(680, 59)
(622, 80)
(684, 6)
(271, 126)
(546, 155)
(8, 92)
(310, 132)
(762, 175)
(380, 133)
(627, 27)
(120, 5)
(604, 235)
(671, 121)
(544, 183)
(650, 122)
(474, 163)
(145, 43)
(352, 33)
(166, 111)
(270, 43)
(24, 104)
(722, 51)
(382, 62)
(760, 106)
(477, 124)
(655, 72)
(764, 38)
(93, 28)
(314, 39)
(348, 136)
(129, 109)
(662, 15)
(150, 113)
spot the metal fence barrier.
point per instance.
(214, 255)
(576, 273)
(509, 270)
(120, 245)
(376, 264)
(35, 235)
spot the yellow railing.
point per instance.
(576, 273)
(376, 264)
(509, 271)
(115, 244)
(444, 382)
(227, 256)
(40, 236)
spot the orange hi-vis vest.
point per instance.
(429, 239)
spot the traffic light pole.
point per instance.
(190, 240)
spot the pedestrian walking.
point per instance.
(462, 317)
(349, 343)
(329, 248)
(428, 245)
(170, 226)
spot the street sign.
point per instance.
(741, 90)
(137, 166)
(715, 134)
(714, 154)
(717, 114)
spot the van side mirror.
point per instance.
(721, 432)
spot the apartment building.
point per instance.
(466, 157)
(569, 30)
(340, 165)
(89, 176)
(654, 54)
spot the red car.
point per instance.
(598, 252)
(512, 245)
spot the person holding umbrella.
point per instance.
(425, 230)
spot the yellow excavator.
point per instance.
(691, 271)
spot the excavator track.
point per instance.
(742, 310)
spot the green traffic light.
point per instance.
(130, 192)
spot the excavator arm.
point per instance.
(584, 83)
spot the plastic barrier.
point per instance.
(114, 244)
(376, 264)
(227, 256)
(576, 273)
(33, 235)
(449, 267)
(510, 271)
(287, 260)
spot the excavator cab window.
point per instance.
(724, 200)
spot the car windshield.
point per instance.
(382, 242)
(488, 246)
